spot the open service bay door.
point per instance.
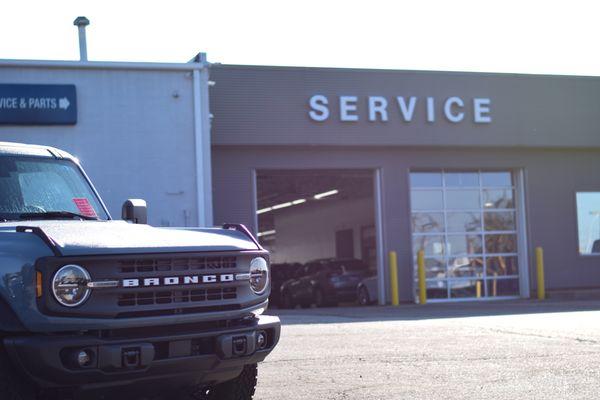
(323, 224)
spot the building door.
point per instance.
(466, 222)
(317, 216)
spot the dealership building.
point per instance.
(476, 169)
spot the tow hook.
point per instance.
(131, 357)
(128, 356)
(239, 345)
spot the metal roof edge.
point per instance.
(117, 65)
(397, 71)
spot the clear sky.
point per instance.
(525, 36)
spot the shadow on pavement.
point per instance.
(413, 312)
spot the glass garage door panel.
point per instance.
(465, 221)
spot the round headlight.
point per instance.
(259, 275)
(70, 285)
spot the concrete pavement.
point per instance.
(499, 350)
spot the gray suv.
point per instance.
(91, 307)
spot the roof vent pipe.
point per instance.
(81, 23)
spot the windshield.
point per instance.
(35, 185)
(343, 266)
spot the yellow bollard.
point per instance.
(421, 271)
(478, 289)
(394, 278)
(541, 284)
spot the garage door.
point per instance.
(466, 224)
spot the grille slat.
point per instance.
(176, 264)
(175, 296)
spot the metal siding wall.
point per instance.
(132, 136)
(552, 178)
(269, 106)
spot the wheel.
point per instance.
(321, 301)
(318, 296)
(287, 301)
(305, 304)
(240, 388)
(363, 298)
(12, 387)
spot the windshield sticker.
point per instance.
(84, 207)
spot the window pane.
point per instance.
(465, 267)
(496, 179)
(426, 200)
(437, 289)
(465, 288)
(500, 265)
(464, 244)
(498, 198)
(462, 199)
(433, 245)
(425, 179)
(435, 268)
(427, 222)
(588, 222)
(499, 221)
(500, 243)
(463, 221)
(462, 179)
(502, 287)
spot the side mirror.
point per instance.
(135, 210)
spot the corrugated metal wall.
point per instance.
(134, 135)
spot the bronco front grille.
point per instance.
(200, 289)
(176, 264)
(175, 296)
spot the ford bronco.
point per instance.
(91, 307)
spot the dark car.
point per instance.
(326, 282)
(281, 273)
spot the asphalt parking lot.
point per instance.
(500, 350)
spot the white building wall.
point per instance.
(307, 232)
(134, 135)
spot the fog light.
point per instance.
(261, 340)
(84, 358)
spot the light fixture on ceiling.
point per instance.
(326, 194)
(280, 206)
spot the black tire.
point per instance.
(319, 298)
(305, 304)
(240, 388)
(362, 297)
(287, 301)
(12, 387)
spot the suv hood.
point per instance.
(76, 238)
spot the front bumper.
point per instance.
(201, 357)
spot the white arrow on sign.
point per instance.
(63, 103)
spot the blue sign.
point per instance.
(38, 104)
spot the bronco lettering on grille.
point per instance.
(182, 280)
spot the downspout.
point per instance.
(202, 142)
